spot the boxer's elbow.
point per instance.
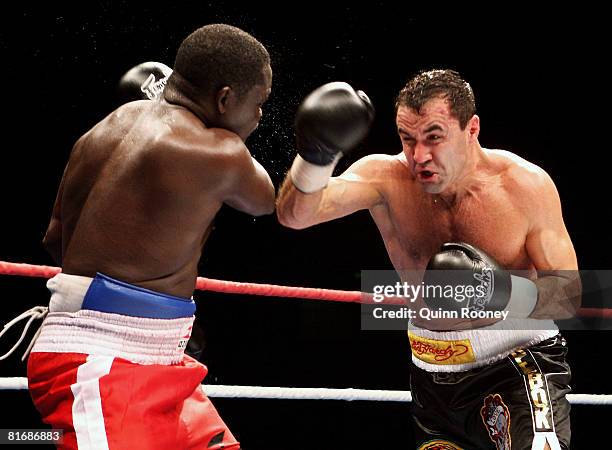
(574, 294)
(268, 203)
(262, 208)
(295, 209)
(287, 220)
(255, 203)
(291, 217)
(265, 209)
(570, 292)
(564, 293)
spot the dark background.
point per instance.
(540, 86)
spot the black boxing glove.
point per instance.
(142, 82)
(460, 265)
(330, 122)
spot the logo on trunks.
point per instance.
(153, 88)
(496, 417)
(182, 343)
(439, 445)
(538, 391)
(484, 292)
(441, 352)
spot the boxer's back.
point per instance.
(140, 192)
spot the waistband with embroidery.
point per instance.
(456, 351)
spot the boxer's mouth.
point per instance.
(426, 175)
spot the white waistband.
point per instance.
(484, 345)
(137, 339)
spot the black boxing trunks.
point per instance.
(518, 402)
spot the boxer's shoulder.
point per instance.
(176, 128)
(519, 175)
(514, 165)
(396, 171)
(384, 165)
(388, 173)
(400, 164)
(124, 114)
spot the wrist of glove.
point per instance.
(308, 177)
(523, 297)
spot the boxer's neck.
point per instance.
(471, 178)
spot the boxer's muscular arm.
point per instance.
(53, 237)
(248, 187)
(550, 248)
(356, 189)
(53, 240)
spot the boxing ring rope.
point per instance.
(268, 290)
(292, 393)
(269, 392)
(210, 284)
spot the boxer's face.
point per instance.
(242, 113)
(434, 144)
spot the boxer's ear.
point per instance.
(221, 99)
(473, 127)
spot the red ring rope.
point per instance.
(270, 290)
(210, 284)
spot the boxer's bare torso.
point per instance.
(445, 187)
(140, 192)
(493, 214)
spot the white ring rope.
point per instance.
(286, 393)
(7, 384)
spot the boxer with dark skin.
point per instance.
(142, 187)
(134, 209)
(445, 202)
(146, 81)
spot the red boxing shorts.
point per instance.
(109, 369)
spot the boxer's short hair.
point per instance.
(221, 55)
(446, 84)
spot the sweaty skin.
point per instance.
(141, 189)
(445, 187)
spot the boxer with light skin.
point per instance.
(496, 208)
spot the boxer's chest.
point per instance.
(488, 221)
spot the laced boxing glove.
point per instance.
(330, 122)
(493, 288)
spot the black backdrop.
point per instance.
(540, 85)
